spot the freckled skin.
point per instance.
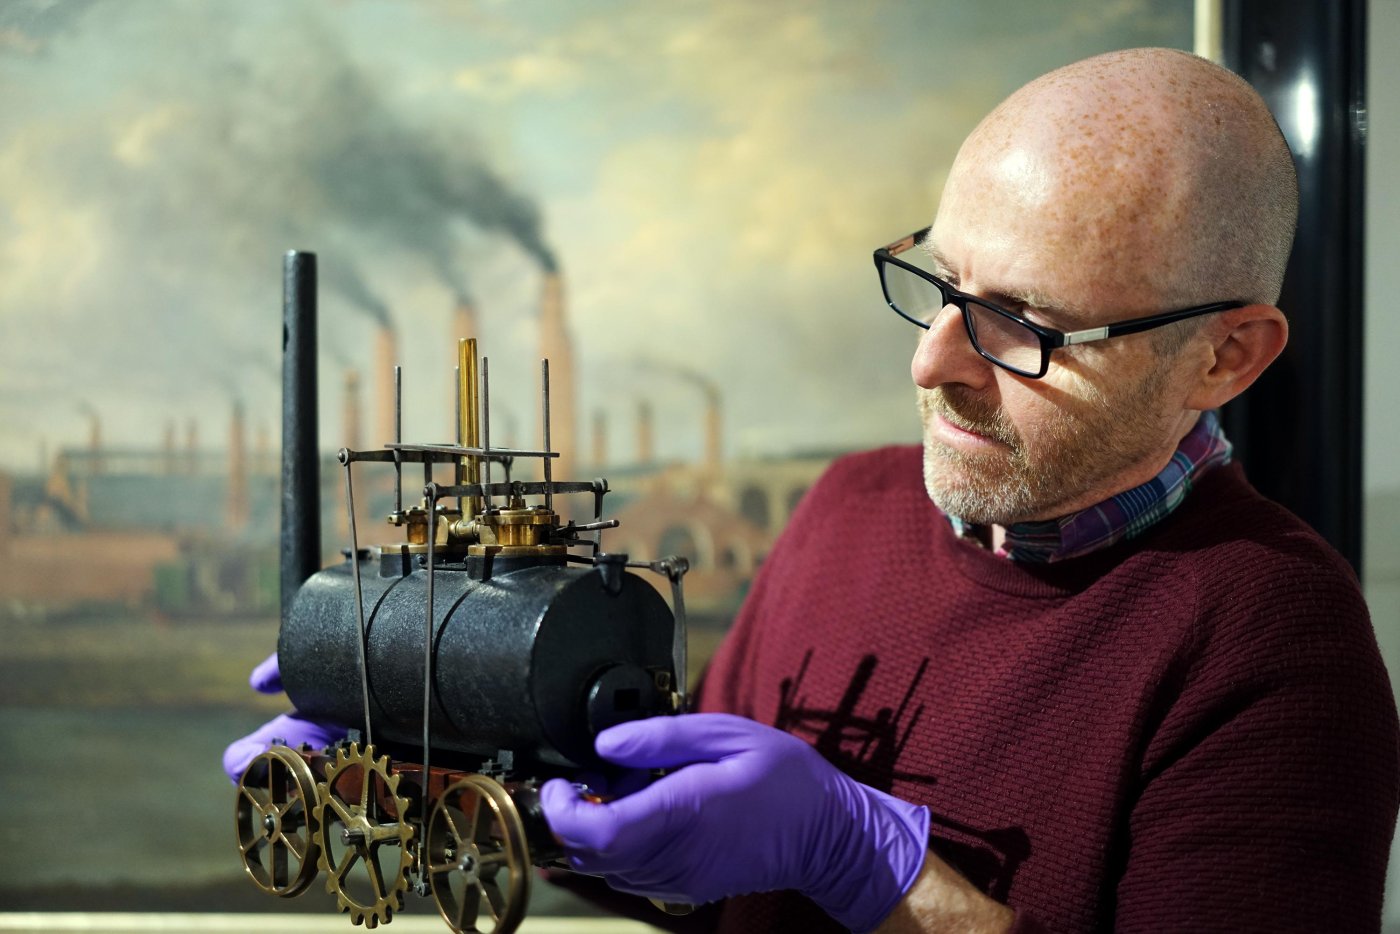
(1099, 186)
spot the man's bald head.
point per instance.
(1161, 177)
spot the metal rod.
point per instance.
(486, 422)
(359, 603)
(675, 570)
(439, 453)
(470, 416)
(428, 669)
(398, 439)
(506, 488)
(600, 487)
(300, 540)
(548, 472)
(457, 475)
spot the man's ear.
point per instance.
(1244, 342)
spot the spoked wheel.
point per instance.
(276, 819)
(364, 834)
(478, 860)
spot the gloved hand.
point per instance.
(750, 809)
(290, 728)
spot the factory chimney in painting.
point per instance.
(557, 348)
(351, 415)
(238, 505)
(465, 324)
(646, 438)
(713, 431)
(386, 357)
(600, 439)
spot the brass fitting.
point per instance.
(518, 530)
(416, 520)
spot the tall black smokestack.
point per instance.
(301, 490)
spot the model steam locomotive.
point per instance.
(473, 660)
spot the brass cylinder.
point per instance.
(469, 428)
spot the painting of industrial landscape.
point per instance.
(675, 204)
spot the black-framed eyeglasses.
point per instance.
(1001, 336)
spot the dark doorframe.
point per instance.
(1298, 430)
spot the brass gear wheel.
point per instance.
(364, 835)
(276, 820)
(477, 853)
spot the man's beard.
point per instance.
(1073, 451)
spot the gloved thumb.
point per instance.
(671, 742)
(577, 823)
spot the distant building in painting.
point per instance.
(189, 529)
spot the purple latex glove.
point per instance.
(750, 809)
(290, 727)
(266, 678)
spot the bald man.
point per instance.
(1062, 669)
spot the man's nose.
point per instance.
(946, 355)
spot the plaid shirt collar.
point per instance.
(1120, 517)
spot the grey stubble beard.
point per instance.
(979, 489)
(1077, 449)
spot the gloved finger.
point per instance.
(579, 824)
(601, 838)
(299, 731)
(668, 742)
(629, 782)
(290, 728)
(238, 754)
(267, 677)
(613, 783)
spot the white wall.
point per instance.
(1381, 458)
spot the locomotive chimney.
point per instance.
(557, 348)
(237, 518)
(386, 355)
(300, 545)
(646, 442)
(352, 411)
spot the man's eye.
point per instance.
(1034, 317)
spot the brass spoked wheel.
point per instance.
(478, 861)
(365, 838)
(276, 819)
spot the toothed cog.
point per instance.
(365, 839)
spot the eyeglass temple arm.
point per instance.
(905, 243)
(1137, 325)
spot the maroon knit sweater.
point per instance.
(1191, 731)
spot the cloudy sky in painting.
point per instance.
(710, 177)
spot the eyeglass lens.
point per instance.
(995, 334)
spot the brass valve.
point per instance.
(518, 530)
(415, 521)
